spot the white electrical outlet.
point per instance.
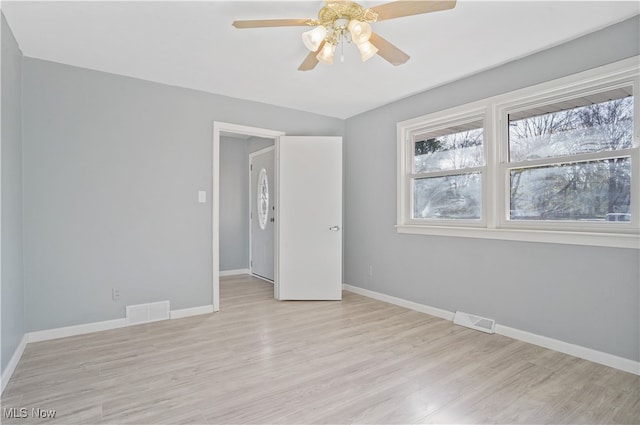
(115, 294)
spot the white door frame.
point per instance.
(219, 127)
(252, 201)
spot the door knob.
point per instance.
(334, 228)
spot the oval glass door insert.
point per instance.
(263, 198)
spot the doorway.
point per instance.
(308, 231)
(239, 133)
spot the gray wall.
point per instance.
(234, 199)
(112, 166)
(12, 290)
(583, 295)
(234, 204)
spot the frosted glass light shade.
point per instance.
(326, 53)
(314, 37)
(360, 31)
(367, 50)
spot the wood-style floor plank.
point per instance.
(355, 361)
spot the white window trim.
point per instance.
(495, 224)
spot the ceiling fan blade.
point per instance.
(310, 61)
(388, 51)
(263, 23)
(398, 9)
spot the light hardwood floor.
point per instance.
(355, 361)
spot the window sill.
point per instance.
(612, 240)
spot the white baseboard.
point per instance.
(262, 278)
(85, 328)
(592, 355)
(13, 363)
(234, 272)
(433, 311)
(192, 311)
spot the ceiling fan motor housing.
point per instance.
(347, 10)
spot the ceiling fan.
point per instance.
(345, 21)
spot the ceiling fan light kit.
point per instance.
(360, 31)
(314, 37)
(367, 50)
(340, 31)
(342, 22)
(326, 53)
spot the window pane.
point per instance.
(595, 191)
(449, 197)
(452, 151)
(597, 127)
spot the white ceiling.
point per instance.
(193, 45)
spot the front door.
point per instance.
(262, 213)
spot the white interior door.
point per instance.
(262, 204)
(309, 222)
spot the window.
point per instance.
(557, 162)
(588, 191)
(447, 172)
(571, 161)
